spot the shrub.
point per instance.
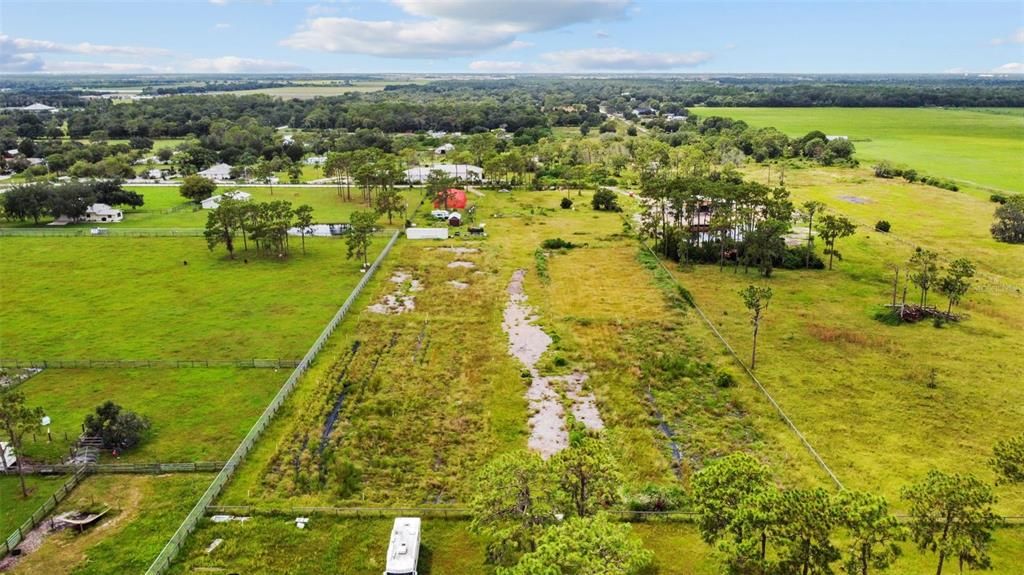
(997, 198)
(882, 226)
(656, 498)
(566, 203)
(796, 258)
(605, 200)
(557, 244)
(724, 379)
(116, 427)
(1009, 226)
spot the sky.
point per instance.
(510, 36)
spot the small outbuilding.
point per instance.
(9, 459)
(455, 219)
(213, 202)
(103, 213)
(444, 149)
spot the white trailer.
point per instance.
(9, 458)
(404, 549)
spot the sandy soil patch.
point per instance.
(527, 342)
(462, 264)
(460, 250)
(458, 285)
(401, 300)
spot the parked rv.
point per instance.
(404, 549)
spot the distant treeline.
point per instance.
(217, 86)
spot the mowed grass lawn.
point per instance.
(133, 298)
(15, 509)
(980, 146)
(860, 388)
(144, 512)
(165, 208)
(197, 414)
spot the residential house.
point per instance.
(217, 172)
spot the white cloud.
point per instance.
(497, 66)
(236, 65)
(221, 26)
(429, 39)
(1015, 38)
(79, 67)
(622, 59)
(518, 45)
(602, 34)
(595, 59)
(449, 28)
(1011, 68)
(219, 2)
(9, 45)
(521, 15)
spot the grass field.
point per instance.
(307, 91)
(165, 208)
(132, 298)
(197, 414)
(16, 509)
(983, 147)
(144, 513)
(858, 387)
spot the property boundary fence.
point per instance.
(123, 468)
(37, 517)
(113, 232)
(107, 232)
(173, 546)
(456, 512)
(140, 363)
(778, 408)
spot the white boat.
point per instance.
(404, 549)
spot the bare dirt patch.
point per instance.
(458, 285)
(459, 250)
(856, 200)
(527, 342)
(462, 264)
(403, 299)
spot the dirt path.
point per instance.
(527, 342)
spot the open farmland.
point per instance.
(164, 207)
(222, 405)
(859, 387)
(143, 512)
(135, 298)
(976, 147)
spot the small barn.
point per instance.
(103, 213)
(455, 219)
(213, 202)
(456, 199)
(444, 149)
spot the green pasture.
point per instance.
(134, 298)
(196, 414)
(15, 509)
(980, 147)
(165, 208)
(861, 389)
(144, 511)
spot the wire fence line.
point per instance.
(460, 512)
(174, 545)
(778, 408)
(105, 232)
(119, 468)
(111, 232)
(145, 363)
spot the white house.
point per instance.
(463, 172)
(315, 160)
(9, 459)
(437, 133)
(217, 172)
(444, 149)
(830, 138)
(213, 202)
(155, 174)
(103, 213)
(37, 107)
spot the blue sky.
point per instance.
(513, 36)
